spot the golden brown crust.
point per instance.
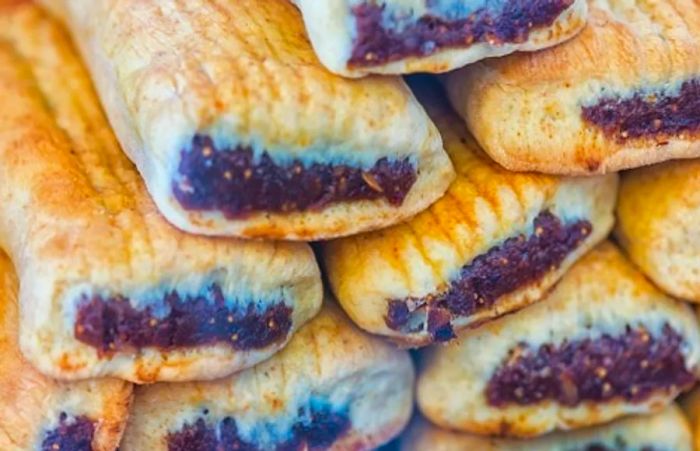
(244, 73)
(485, 206)
(76, 219)
(659, 225)
(526, 109)
(31, 403)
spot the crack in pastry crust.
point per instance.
(381, 38)
(652, 114)
(112, 324)
(631, 366)
(316, 429)
(509, 266)
(234, 182)
(71, 434)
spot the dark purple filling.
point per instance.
(631, 366)
(375, 44)
(316, 432)
(513, 264)
(645, 115)
(72, 434)
(112, 324)
(230, 181)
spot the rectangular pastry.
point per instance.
(496, 242)
(237, 129)
(359, 37)
(108, 286)
(666, 430)
(659, 225)
(39, 413)
(333, 387)
(622, 94)
(605, 343)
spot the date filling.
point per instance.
(235, 183)
(318, 429)
(71, 434)
(517, 262)
(631, 367)
(381, 37)
(112, 324)
(656, 115)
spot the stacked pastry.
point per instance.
(145, 197)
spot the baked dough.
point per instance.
(691, 406)
(360, 37)
(237, 129)
(108, 287)
(668, 429)
(38, 412)
(658, 225)
(333, 387)
(605, 343)
(622, 94)
(496, 242)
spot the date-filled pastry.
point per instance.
(237, 129)
(666, 430)
(108, 287)
(39, 413)
(659, 224)
(358, 37)
(624, 93)
(333, 387)
(496, 242)
(605, 343)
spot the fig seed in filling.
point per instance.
(631, 366)
(319, 430)
(517, 262)
(114, 325)
(230, 181)
(381, 38)
(647, 115)
(71, 434)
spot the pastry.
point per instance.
(109, 287)
(605, 343)
(42, 414)
(667, 430)
(691, 406)
(359, 37)
(658, 225)
(333, 387)
(496, 242)
(237, 129)
(622, 94)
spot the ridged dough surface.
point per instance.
(485, 206)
